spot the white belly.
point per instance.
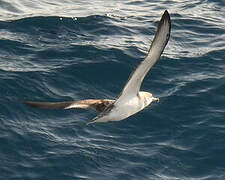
(122, 111)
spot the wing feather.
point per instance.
(97, 104)
(160, 40)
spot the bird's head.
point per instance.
(148, 98)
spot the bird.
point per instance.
(131, 100)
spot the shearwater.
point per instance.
(131, 100)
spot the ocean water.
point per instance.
(72, 50)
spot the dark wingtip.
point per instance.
(166, 15)
(31, 104)
(166, 12)
(47, 105)
(165, 18)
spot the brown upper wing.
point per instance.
(97, 104)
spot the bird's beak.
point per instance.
(155, 99)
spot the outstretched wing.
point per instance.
(96, 104)
(160, 40)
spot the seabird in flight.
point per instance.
(131, 100)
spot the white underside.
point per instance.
(122, 111)
(131, 100)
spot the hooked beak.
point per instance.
(155, 99)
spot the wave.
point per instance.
(86, 53)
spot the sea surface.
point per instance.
(63, 50)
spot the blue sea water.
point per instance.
(72, 50)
